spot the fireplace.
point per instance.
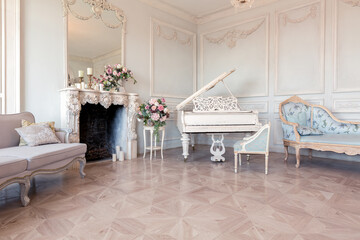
(102, 130)
(102, 120)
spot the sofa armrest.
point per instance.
(289, 128)
(63, 134)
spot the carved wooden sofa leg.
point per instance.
(82, 162)
(25, 187)
(286, 148)
(297, 149)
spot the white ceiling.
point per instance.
(198, 7)
(201, 11)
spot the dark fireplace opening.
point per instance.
(102, 130)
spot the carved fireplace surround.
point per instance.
(72, 100)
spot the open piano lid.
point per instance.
(206, 88)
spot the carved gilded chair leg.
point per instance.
(310, 154)
(235, 161)
(297, 157)
(286, 152)
(82, 162)
(266, 163)
(24, 188)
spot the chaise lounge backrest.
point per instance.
(297, 112)
(8, 123)
(323, 121)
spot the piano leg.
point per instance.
(185, 144)
(192, 141)
(217, 148)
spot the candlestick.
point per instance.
(89, 82)
(122, 156)
(81, 74)
(117, 151)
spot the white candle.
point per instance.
(82, 85)
(114, 157)
(89, 71)
(117, 151)
(122, 156)
(78, 85)
(101, 87)
(81, 73)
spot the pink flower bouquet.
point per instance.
(154, 113)
(114, 76)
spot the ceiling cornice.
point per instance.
(204, 18)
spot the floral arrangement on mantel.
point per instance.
(154, 113)
(114, 76)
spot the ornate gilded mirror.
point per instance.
(95, 37)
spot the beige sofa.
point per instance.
(18, 164)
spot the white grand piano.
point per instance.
(215, 116)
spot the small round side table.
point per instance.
(153, 139)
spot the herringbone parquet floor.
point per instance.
(199, 199)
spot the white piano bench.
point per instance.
(153, 141)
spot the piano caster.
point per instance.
(193, 148)
(185, 159)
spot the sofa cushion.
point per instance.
(8, 123)
(342, 139)
(297, 113)
(25, 123)
(40, 134)
(305, 131)
(45, 154)
(10, 165)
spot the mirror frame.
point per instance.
(66, 38)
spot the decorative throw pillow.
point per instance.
(25, 123)
(35, 135)
(305, 131)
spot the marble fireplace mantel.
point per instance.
(72, 99)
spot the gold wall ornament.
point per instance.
(172, 37)
(312, 14)
(354, 3)
(232, 36)
(97, 9)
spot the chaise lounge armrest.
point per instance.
(63, 134)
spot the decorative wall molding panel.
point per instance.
(260, 106)
(319, 101)
(232, 36)
(346, 105)
(181, 43)
(277, 131)
(72, 100)
(242, 45)
(346, 35)
(292, 47)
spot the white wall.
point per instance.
(42, 65)
(296, 47)
(42, 41)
